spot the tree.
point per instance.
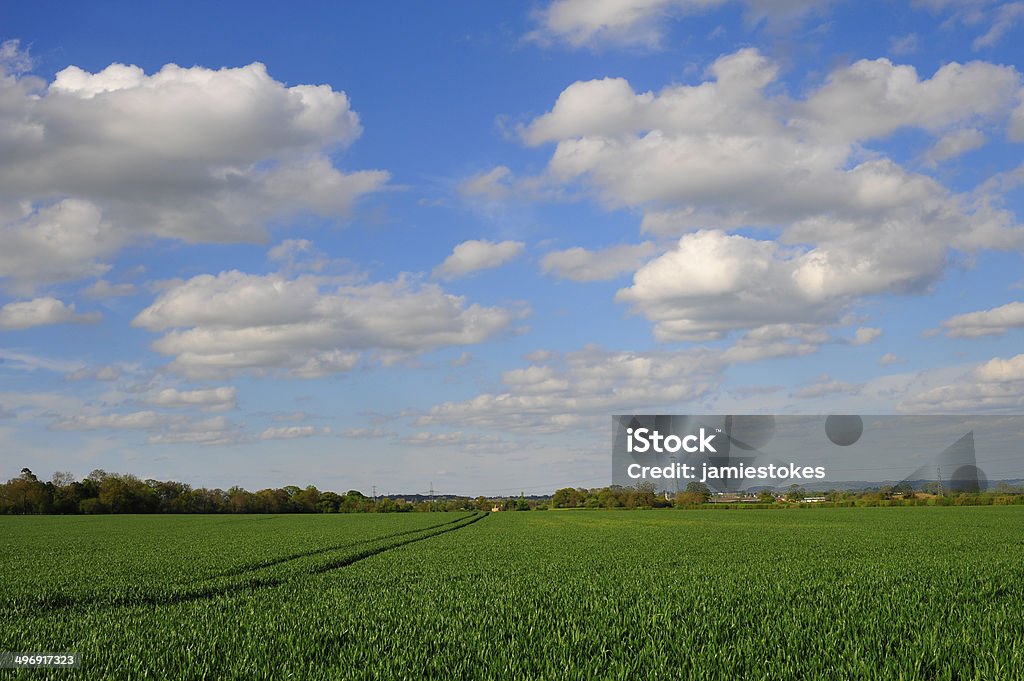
(565, 498)
(795, 493)
(699, 489)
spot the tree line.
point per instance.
(103, 492)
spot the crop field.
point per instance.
(864, 593)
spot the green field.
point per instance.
(869, 593)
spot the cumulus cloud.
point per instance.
(59, 242)
(714, 283)
(474, 255)
(726, 153)
(208, 399)
(581, 23)
(580, 264)
(307, 326)
(995, 386)
(95, 160)
(41, 312)
(995, 321)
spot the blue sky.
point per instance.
(410, 243)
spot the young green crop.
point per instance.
(916, 593)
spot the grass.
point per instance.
(915, 593)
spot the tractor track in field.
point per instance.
(253, 567)
(59, 602)
(349, 560)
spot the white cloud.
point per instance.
(27, 362)
(995, 386)
(865, 335)
(1006, 19)
(138, 420)
(307, 326)
(14, 60)
(59, 242)
(776, 340)
(95, 160)
(889, 359)
(714, 283)
(41, 312)
(873, 98)
(493, 184)
(580, 264)
(997, 320)
(102, 289)
(826, 385)
(208, 399)
(217, 430)
(287, 432)
(107, 372)
(954, 144)
(641, 22)
(474, 255)
(365, 433)
(1000, 370)
(424, 439)
(905, 44)
(727, 154)
(584, 386)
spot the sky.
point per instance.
(412, 246)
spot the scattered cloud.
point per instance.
(102, 289)
(42, 312)
(107, 372)
(474, 255)
(642, 23)
(136, 420)
(493, 184)
(1007, 17)
(732, 152)
(888, 359)
(208, 399)
(307, 326)
(565, 391)
(995, 386)
(580, 264)
(904, 44)
(954, 144)
(826, 385)
(995, 321)
(195, 154)
(288, 432)
(865, 335)
(365, 433)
